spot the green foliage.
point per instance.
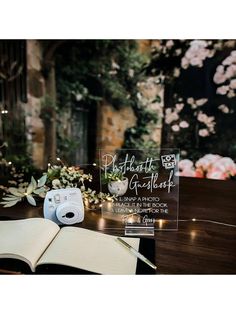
(88, 71)
(134, 137)
(112, 176)
(47, 105)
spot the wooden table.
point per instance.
(198, 247)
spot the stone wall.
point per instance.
(36, 90)
(149, 90)
(112, 124)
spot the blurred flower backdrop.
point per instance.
(68, 98)
(199, 117)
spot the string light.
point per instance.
(59, 160)
(208, 221)
(4, 112)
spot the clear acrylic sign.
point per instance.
(144, 189)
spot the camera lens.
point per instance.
(69, 215)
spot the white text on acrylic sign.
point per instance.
(143, 185)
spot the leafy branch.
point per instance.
(34, 189)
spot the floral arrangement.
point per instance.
(56, 177)
(209, 166)
(182, 116)
(225, 76)
(193, 116)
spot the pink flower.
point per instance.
(233, 84)
(216, 174)
(184, 124)
(222, 90)
(228, 61)
(185, 164)
(226, 165)
(207, 161)
(187, 173)
(203, 132)
(186, 168)
(212, 157)
(219, 78)
(179, 107)
(210, 166)
(230, 72)
(169, 43)
(201, 101)
(190, 101)
(199, 173)
(170, 116)
(175, 128)
(223, 108)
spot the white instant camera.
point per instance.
(64, 206)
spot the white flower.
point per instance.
(184, 124)
(114, 65)
(56, 183)
(78, 97)
(203, 132)
(175, 128)
(139, 96)
(131, 73)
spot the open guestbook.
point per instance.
(40, 242)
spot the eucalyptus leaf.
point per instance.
(15, 192)
(10, 204)
(30, 188)
(42, 181)
(31, 200)
(39, 190)
(11, 198)
(34, 183)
